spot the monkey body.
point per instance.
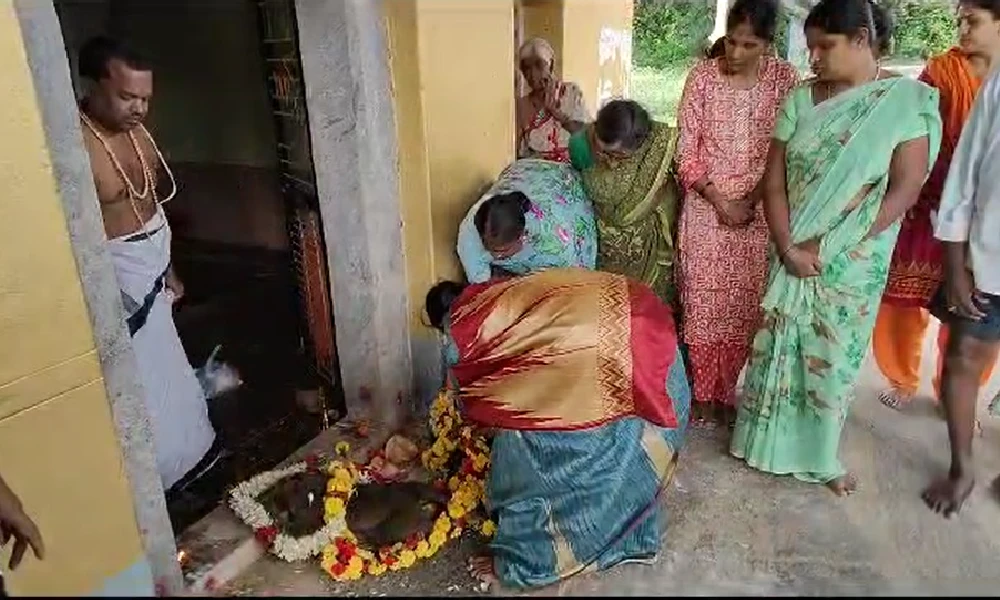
(381, 514)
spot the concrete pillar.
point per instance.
(797, 53)
(43, 43)
(349, 99)
(721, 12)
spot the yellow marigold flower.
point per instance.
(443, 523)
(342, 448)
(455, 511)
(423, 549)
(407, 558)
(480, 461)
(376, 568)
(395, 566)
(488, 528)
(453, 483)
(334, 507)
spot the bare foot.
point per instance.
(845, 485)
(947, 496)
(481, 567)
(894, 399)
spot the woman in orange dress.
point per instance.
(552, 111)
(726, 118)
(916, 269)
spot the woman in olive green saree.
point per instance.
(850, 152)
(625, 160)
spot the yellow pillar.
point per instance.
(544, 19)
(453, 86)
(58, 447)
(592, 40)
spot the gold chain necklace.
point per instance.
(149, 180)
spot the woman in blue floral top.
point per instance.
(535, 217)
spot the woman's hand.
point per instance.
(802, 260)
(550, 98)
(731, 214)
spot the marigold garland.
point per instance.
(344, 560)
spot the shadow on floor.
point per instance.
(243, 299)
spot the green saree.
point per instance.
(808, 351)
(635, 206)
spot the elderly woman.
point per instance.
(534, 217)
(625, 160)
(578, 373)
(552, 111)
(849, 154)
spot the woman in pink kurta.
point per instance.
(726, 118)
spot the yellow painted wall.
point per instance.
(453, 95)
(597, 48)
(58, 447)
(544, 19)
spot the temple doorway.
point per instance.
(229, 114)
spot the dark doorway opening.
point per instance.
(229, 114)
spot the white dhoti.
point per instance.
(178, 413)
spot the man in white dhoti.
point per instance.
(127, 165)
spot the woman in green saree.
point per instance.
(625, 160)
(849, 154)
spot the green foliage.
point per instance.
(923, 27)
(672, 33)
(666, 34)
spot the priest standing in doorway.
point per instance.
(127, 166)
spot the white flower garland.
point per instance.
(243, 502)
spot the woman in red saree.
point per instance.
(916, 269)
(577, 373)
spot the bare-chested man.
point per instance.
(127, 167)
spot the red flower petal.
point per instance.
(266, 535)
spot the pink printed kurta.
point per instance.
(724, 134)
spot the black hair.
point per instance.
(845, 17)
(623, 121)
(98, 51)
(761, 15)
(501, 218)
(717, 49)
(991, 5)
(884, 29)
(439, 300)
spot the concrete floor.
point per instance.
(733, 531)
